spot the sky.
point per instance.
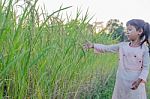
(102, 10)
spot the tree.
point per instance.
(115, 28)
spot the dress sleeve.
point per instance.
(146, 63)
(100, 48)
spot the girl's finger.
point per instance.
(133, 83)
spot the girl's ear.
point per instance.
(140, 31)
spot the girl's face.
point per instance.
(132, 33)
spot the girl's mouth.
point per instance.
(127, 34)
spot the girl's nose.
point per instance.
(127, 33)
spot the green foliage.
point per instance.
(115, 29)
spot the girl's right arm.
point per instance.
(100, 48)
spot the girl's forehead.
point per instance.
(130, 26)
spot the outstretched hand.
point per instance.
(88, 45)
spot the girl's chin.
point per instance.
(128, 38)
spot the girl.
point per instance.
(134, 60)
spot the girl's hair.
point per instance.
(145, 26)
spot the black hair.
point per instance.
(145, 26)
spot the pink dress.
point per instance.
(133, 64)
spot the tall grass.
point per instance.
(45, 59)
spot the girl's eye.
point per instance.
(129, 29)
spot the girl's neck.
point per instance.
(135, 43)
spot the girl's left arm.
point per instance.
(146, 63)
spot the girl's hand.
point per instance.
(88, 45)
(136, 84)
